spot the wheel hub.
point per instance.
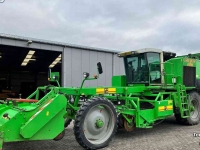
(99, 123)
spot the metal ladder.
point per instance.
(183, 101)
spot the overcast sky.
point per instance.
(172, 25)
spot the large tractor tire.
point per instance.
(95, 123)
(180, 120)
(194, 117)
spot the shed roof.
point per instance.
(15, 37)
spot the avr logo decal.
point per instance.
(1, 1)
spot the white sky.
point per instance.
(172, 25)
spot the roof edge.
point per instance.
(8, 36)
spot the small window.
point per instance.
(154, 67)
(132, 65)
(137, 69)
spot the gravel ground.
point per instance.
(167, 135)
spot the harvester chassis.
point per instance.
(98, 111)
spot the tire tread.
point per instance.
(77, 128)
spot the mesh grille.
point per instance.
(189, 75)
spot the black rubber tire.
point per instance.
(194, 97)
(120, 121)
(79, 122)
(180, 120)
(67, 122)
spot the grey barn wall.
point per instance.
(118, 65)
(34, 45)
(76, 61)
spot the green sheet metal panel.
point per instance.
(198, 69)
(173, 68)
(43, 116)
(119, 80)
(163, 108)
(147, 115)
(50, 120)
(189, 62)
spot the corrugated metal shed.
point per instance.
(8, 39)
(76, 59)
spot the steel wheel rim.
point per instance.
(94, 134)
(194, 113)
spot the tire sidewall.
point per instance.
(195, 97)
(98, 102)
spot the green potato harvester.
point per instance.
(157, 84)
